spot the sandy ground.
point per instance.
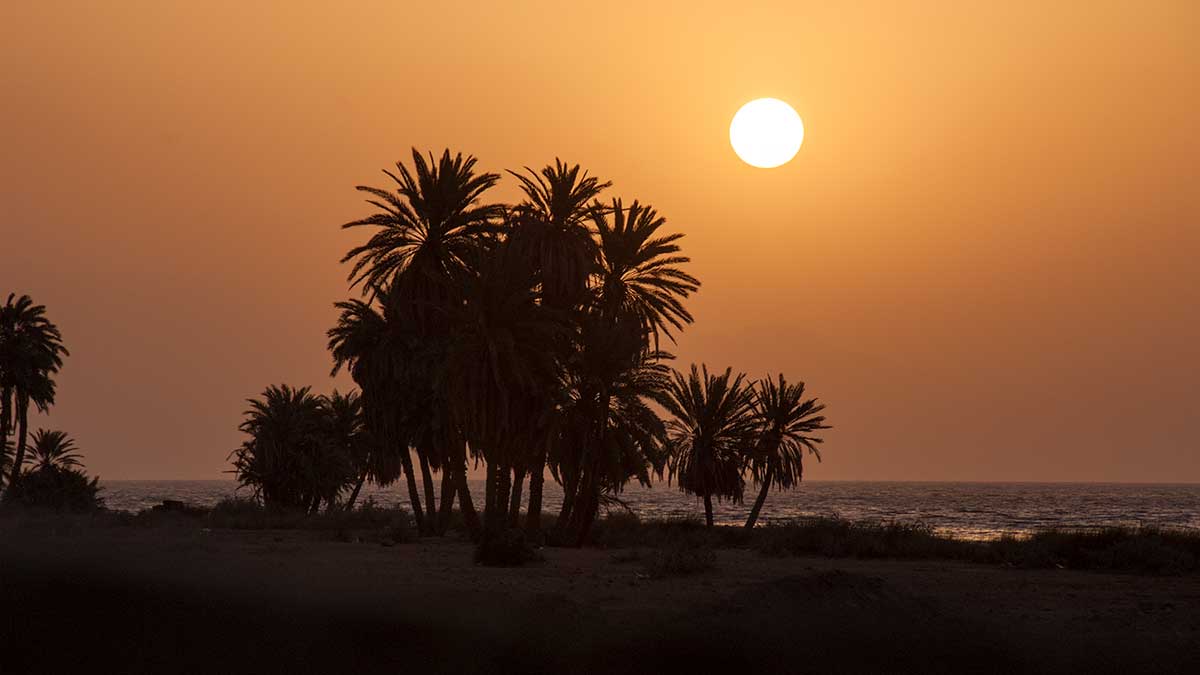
(178, 599)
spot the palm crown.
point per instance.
(53, 450)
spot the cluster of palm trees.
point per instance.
(528, 339)
(303, 450)
(31, 354)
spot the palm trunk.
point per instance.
(758, 503)
(413, 495)
(570, 489)
(362, 478)
(503, 485)
(22, 428)
(708, 517)
(5, 423)
(514, 506)
(427, 479)
(586, 511)
(465, 505)
(533, 514)
(446, 506)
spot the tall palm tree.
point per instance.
(638, 288)
(53, 450)
(712, 429)
(426, 231)
(550, 228)
(499, 364)
(786, 424)
(31, 352)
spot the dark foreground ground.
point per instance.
(182, 599)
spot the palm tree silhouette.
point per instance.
(787, 422)
(713, 426)
(31, 352)
(637, 293)
(53, 450)
(292, 459)
(374, 350)
(550, 229)
(499, 364)
(349, 434)
(427, 230)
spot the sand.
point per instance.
(181, 599)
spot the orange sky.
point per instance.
(985, 258)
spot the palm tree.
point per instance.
(638, 290)
(53, 450)
(349, 435)
(550, 229)
(499, 364)
(31, 352)
(712, 428)
(291, 459)
(373, 348)
(786, 424)
(426, 231)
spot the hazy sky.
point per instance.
(985, 258)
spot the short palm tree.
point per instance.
(290, 459)
(787, 423)
(348, 433)
(710, 434)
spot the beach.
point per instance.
(182, 598)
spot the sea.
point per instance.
(964, 510)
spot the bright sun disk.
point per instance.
(766, 133)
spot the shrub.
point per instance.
(55, 488)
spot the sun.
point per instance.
(766, 133)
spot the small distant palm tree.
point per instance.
(53, 450)
(713, 427)
(787, 422)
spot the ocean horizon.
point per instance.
(965, 509)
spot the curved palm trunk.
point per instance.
(758, 503)
(463, 491)
(514, 505)
(533, 513)
(413, 496)
(22, 429)
(427, 480)
(362, 478)
(708, 510)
